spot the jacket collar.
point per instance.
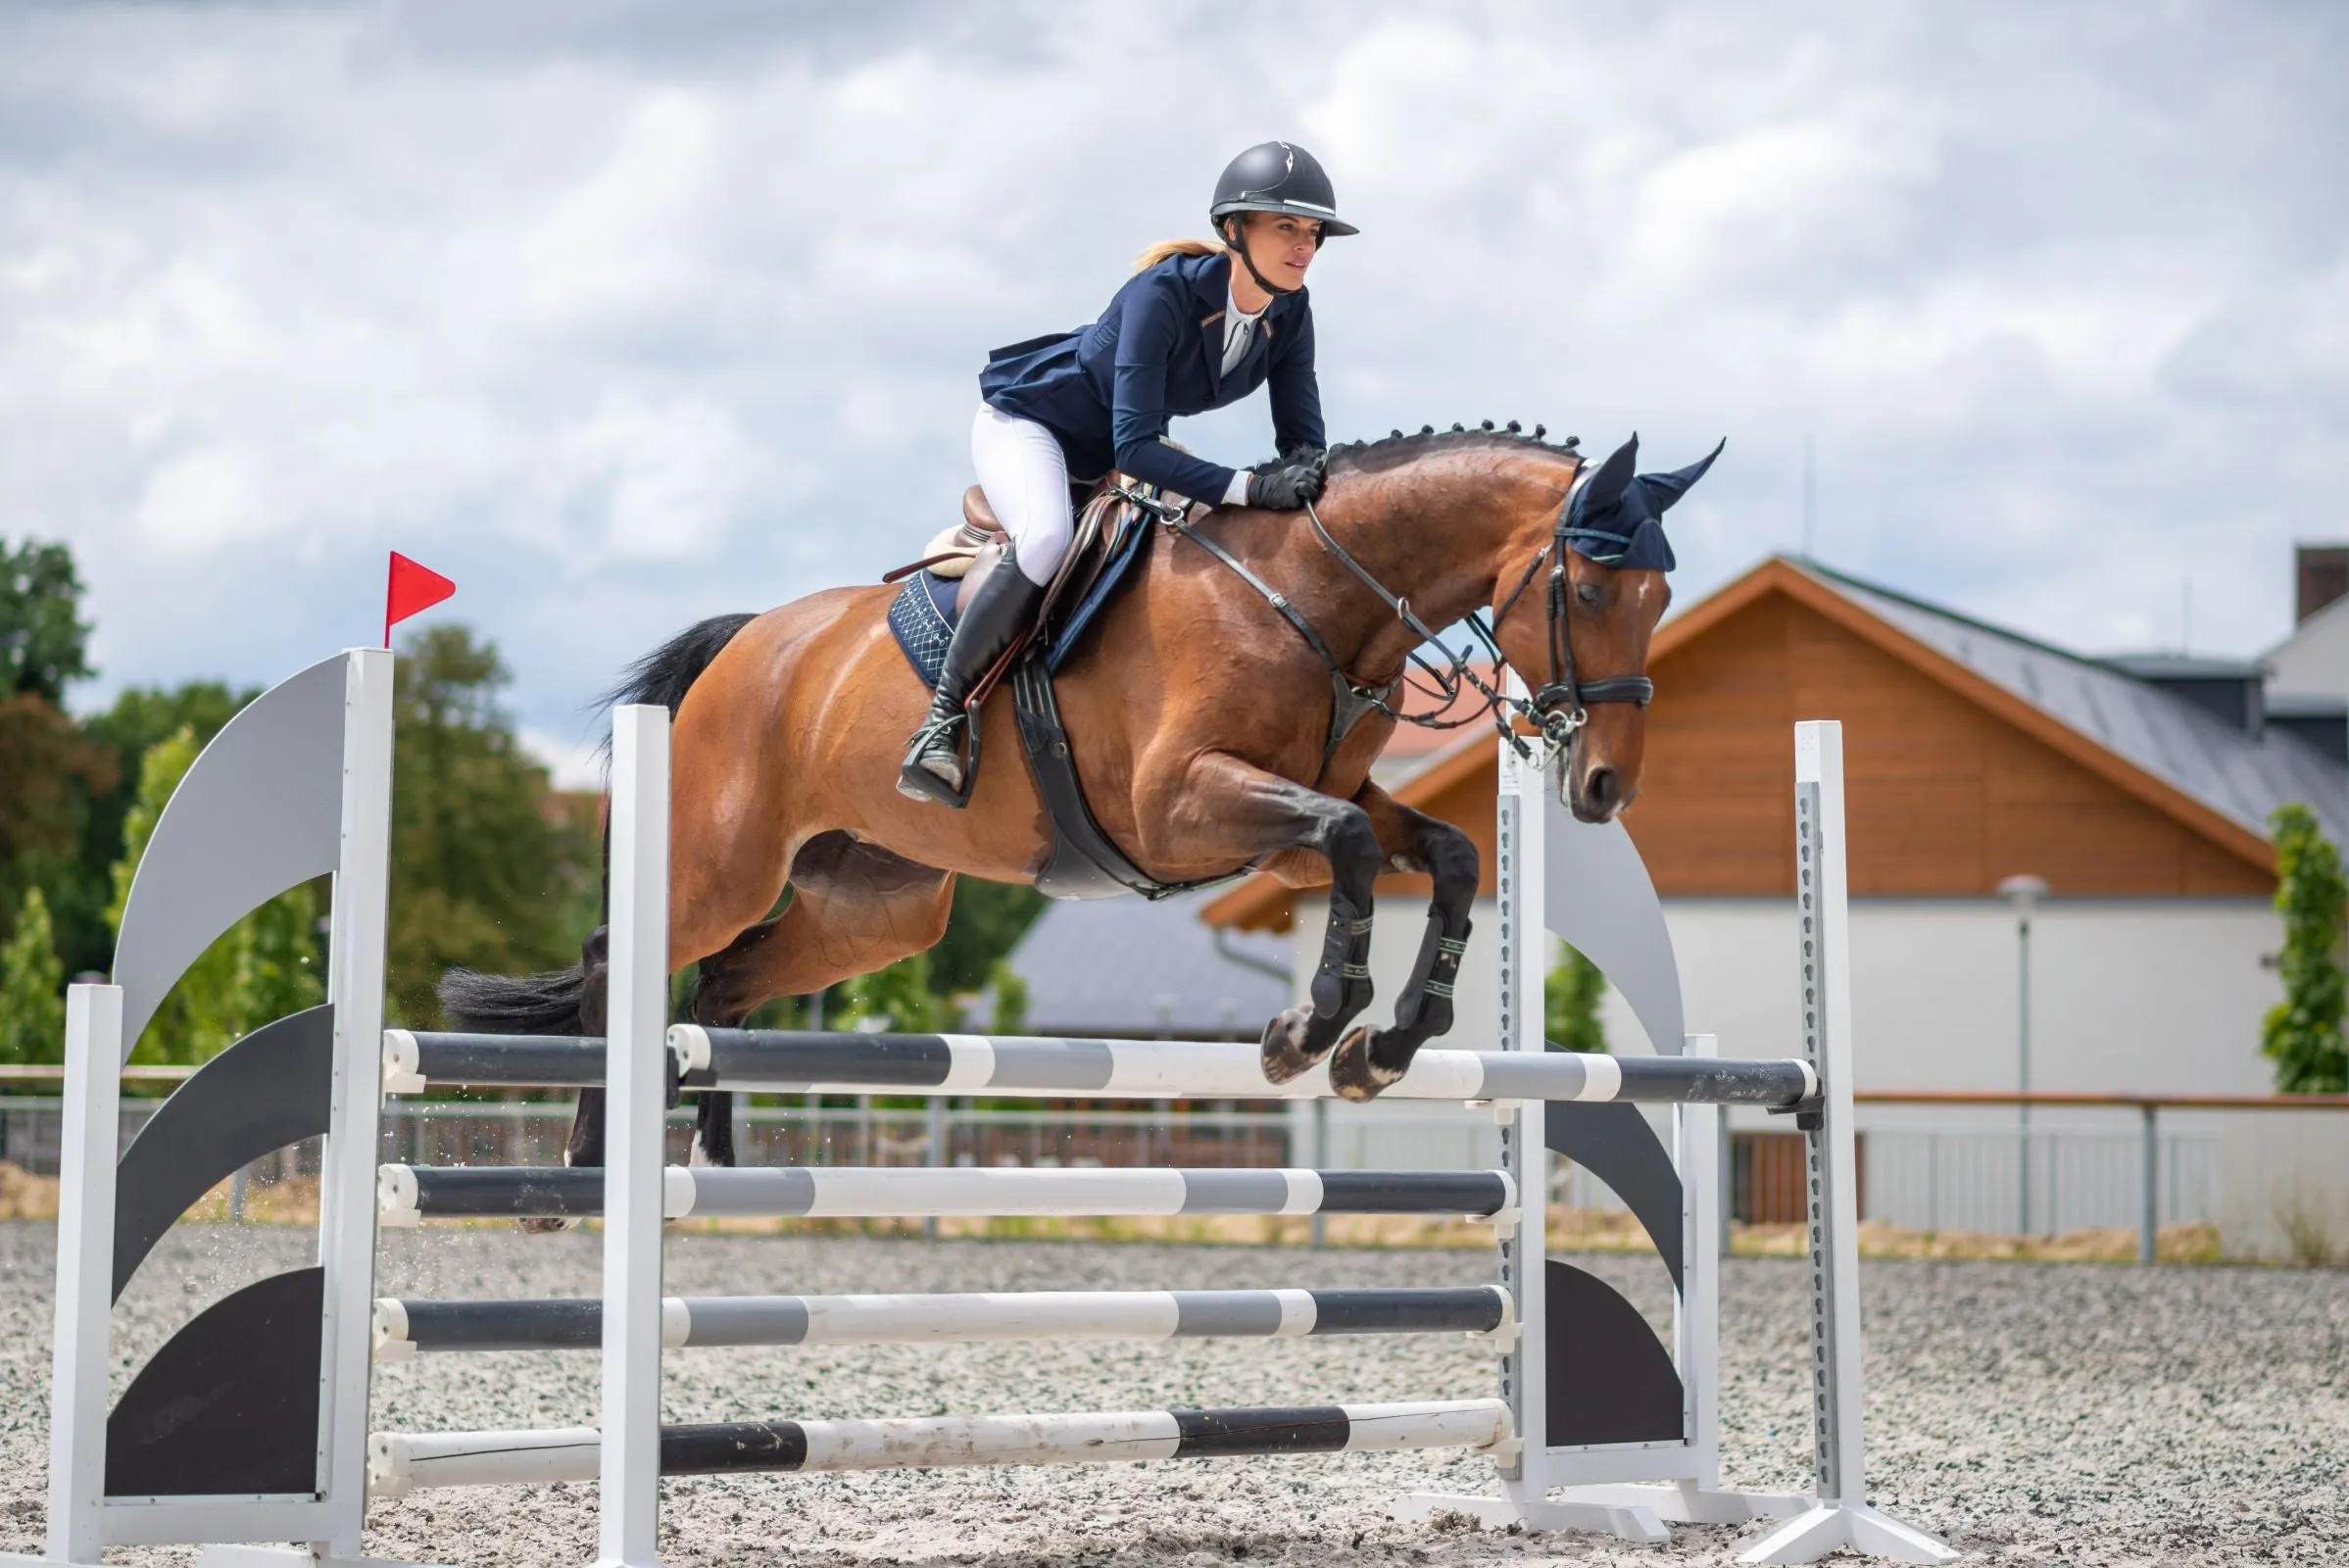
(1211, 280)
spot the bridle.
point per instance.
(1557, 710)
(1562, 705)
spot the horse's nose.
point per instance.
(1602, 792)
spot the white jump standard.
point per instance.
(250, 1424)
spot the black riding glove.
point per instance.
(1285, 487)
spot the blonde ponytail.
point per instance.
(1153, 255)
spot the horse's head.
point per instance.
(1576, 626)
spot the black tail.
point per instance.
(549, 1004)
(514, 1004)
(664, 675)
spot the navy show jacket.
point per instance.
(1107, 391)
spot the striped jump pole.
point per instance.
(779, 1062)
(406, 1327)
(401, 1462)
(408, 1194)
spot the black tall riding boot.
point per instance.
(997, 612)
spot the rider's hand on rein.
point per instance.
(1285, 488)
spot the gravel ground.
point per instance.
(2027, 1413)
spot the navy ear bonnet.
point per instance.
(1618, 519)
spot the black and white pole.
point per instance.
(402, 1462)
(628, 1458)
(1842, 1517)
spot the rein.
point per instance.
(1559, 708)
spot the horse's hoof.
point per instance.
(545, 1224)
(1355, 1072)
(1285, 1055)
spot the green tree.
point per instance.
(988, 919)
(47, 775)
(2302, 1033)
(1570, 994)
(140, 717)
(1010, 988)
(43, 641)
(899, 991)
(276, 970)
(32, 1006)
(489, 867)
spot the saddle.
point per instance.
(965, 552)
(1112, 532)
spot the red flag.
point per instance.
(413, 588)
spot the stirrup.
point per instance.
(916, 781)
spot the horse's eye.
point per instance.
(1589, 593)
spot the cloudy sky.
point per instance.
(621, 314)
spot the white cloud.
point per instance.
(624, 321)
(574, 762)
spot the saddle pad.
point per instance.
(922, 618)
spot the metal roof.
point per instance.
(1132, 967)
(2241, 776)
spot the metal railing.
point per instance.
(2175, 1174)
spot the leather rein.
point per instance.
(1558, 709)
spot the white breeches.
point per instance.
(1026, 480)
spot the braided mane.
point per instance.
(1395, 450)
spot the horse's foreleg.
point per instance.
(1224, 808)
(1369, 1060)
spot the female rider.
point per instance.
(1187, 333)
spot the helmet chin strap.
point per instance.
(1236, 236)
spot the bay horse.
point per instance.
(1201, 715)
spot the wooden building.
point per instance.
(2138, 789)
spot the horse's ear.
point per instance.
(1614, 477)
(1666, 488)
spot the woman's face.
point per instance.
(1282, 245)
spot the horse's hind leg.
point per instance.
(585, 1145)
(853, 908)
(1370, 1059)
(1223, 808)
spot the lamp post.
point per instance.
(2024, 893)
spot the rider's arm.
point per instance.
(1295, 391)
(1147, 334)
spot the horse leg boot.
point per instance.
(1369, 1060)
(1301, 1036)
(1000, 611)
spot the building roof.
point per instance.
(2242, 776)
(2216, 779)
(1127, 966)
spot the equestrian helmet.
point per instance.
(1278, 176)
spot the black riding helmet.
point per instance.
(1276, 177)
